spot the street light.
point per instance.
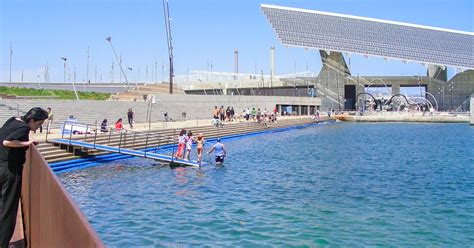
(64, 59)
(109, 39)
(74, 86)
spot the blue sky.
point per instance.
(43, 31)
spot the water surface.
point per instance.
(342, 184)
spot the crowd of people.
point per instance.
(219, 115)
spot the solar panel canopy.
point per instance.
(374, 37)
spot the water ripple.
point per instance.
(331, 185)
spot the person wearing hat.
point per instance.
(200, 145)
(219, 152)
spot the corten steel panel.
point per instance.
(368, 36)
(50, 216)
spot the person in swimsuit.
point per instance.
(200, 145)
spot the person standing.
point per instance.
(14, 141)
(215, 113)
(222, 113)
(232, 113)
(130, 116)
(49, 121)
(219, 152)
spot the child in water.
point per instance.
(200, 145)
(189, 139)
(181, 144)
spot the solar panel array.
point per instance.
(342, 33)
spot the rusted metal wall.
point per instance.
(51, 218)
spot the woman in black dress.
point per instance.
(14, 141)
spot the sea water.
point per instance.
(344, 184)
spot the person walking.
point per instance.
(181, 144)
(219, 152)
(189, 144)
(130, 116)
(14, 141)
(200, 146)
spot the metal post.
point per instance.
(85, 135)
(110, 135)
(62, 132)
(159, 142)
(146, 145)
(169, 40)
(125, 140)
(70, 133)
(95, 136)
(133, 142)
(120, 142)
(119, 61)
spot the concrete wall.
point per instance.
(195, 107)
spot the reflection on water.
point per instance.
(343, 184)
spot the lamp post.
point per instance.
(109, 39)
(64, 59)
(129, 68)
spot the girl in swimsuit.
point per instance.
(200, 146)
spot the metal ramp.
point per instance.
(136, 153)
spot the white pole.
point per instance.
(73, 85)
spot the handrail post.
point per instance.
(120, 142)
(47, 128)
(62, 133)
(70, 133)
(172, 143)
(159, 141)
(133, 142)
(124, 139)
(85, 135)
(95, 136)
(146, 145)
(110, 136)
